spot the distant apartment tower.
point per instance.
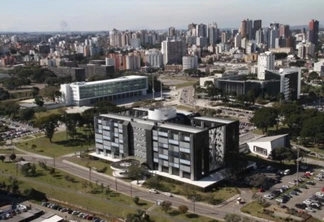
(305, 50)
(173, 51)
(114, 38)
(243, 28)
(237, 40)
(212, 33)
(153, 58)
(201, 30)
(265, 62)
(224, 37)
(259, 36)
(257, 25)
(284, 31)
(171, 32)
(133, 62)
(313, 31)
(189, 62)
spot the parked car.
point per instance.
(168, 194)
(286, 172)
(309, 209)
(301, 206)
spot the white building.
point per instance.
(133, 62)
(154, 58)
(237, 40)
(87, 93)
(305, 50)
(265, 61)
(319, 67)
(189, 62)
(265, 145)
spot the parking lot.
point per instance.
(308, 197)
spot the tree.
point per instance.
(71, 122)
(35, 91)
(135, 172)
(12, 157)
(313, 75)
(49, 124)
(264, 118)
(4, 94)
(2, 158)
(183, 209)
(140, 216)
(136, 200)
(232, 218)
(313, 128)
(26, 114)
(39, 101)
(166, 206)
(282, 153)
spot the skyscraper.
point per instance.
(237, 40)
(284, 30)
(249, 28)
(172, 32)
(313, 31)
(243, 28)
(173, 51)
(201, 30)
(259, 36)
(257, 24)
(212, 33)
(224, 37)
(265, 62)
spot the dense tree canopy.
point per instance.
(264, 118)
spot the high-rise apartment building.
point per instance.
(212, 33)
(189, 62)
(259, 36)
(173, 51)
(249, 29)
(284, 31)
(305, 50)
(224, 37)
(153, 58)
(313, 31)
(201, 30)
(237, 40)
(243, 28)
(172, 32)
(265, 61)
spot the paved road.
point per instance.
(127, 189)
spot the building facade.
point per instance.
(187, 146)
(189, 62)
(265, 61)
(153, 58)
(87, 93)
(173, 51)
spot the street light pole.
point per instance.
(131, 189)
(116, 183)
(297, 166)
(194, 205)
(90, 174)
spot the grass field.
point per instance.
(8, 151)
(49, 112)
(255, 209)
(176, 216)
(59, 146)
(87, 162)
(75, 192)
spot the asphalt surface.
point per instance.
(127, 189)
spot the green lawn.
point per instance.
(8, 151)
(78, 192)
(176, 216)
(87, 162)
(49, 112)
(256, 209)
(59, 146)
(186, 84)
(267, 162)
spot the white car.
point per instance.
(153, 191)
(309, 209)
(268, 196)
(168, 194)
(286, 172)
(319, 194)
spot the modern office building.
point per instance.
(313, 31)
(213, 33)
(87, 93)
(265, 61)
(290, 81)
(180, 144)
(305, 50)
(237, 40)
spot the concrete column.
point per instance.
(160, 168)
(170, 170)
(180, 173)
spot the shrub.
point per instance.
(183, 209)
(136, 200)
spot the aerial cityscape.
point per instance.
(160, 111)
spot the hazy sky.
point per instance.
(93, 15)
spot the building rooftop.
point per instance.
(124, 78)
(269, 138)
(214, 119)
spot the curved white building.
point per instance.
(189, 62)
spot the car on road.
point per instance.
(168, 194)
(269, 196)
(286, 172)
(153, 191)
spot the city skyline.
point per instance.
(86, 15)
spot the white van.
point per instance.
(287, 172)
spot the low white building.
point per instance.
(319, 67)
(264, 145)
